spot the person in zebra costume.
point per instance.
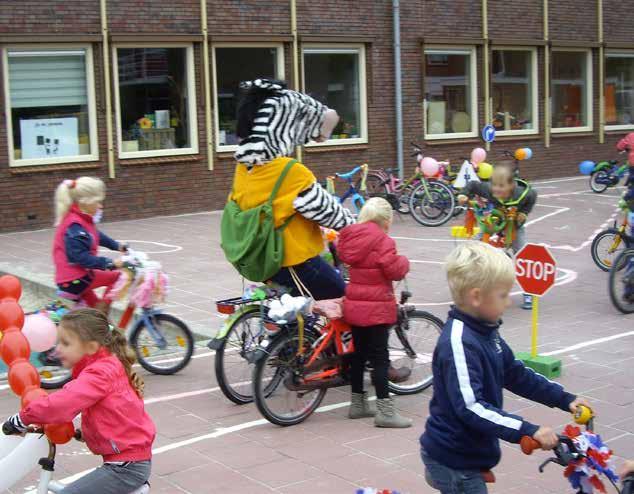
(272, 121)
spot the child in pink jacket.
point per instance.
(108, 394)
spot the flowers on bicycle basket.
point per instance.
(596, 460)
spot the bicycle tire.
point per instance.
(229, 390)
(187, 338)
(620, 264)
(375, 185)
(598, 188)
(401, 335)
(440, 195)
(286, 344)
(610, 235)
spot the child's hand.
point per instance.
(521, 218)
(577, 403)
(118, 263)
(462, 199)
(546, 437)
(626, 468)
(123, 247)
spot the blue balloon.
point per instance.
(529, 153)
(586, 167)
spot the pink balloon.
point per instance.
(478, 155)
(40, 331)
(429, 167)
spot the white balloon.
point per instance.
(20, 457)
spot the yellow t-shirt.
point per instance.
(251, 188)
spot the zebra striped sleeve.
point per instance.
(315, 204)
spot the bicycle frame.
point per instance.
(357, 199)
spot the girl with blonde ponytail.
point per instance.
(78, 268)
(108, 394)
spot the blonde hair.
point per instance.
(84, 190)
(93, 325)
(377, 210)
(504, 171)
(477, 265)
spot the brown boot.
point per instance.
(398, 375)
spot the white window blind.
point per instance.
(47, 78)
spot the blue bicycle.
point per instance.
(355, 191)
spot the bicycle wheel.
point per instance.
(621, 284)
(606, 246)
(598, 187)
(233, 369)
(54, 377)
(411, 345)
(434, 206)
(162, 357)
(375, 186)
(403, 195)
(278, 378)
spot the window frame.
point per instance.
(191, 106)
(534, 81)
(589, 92)
(616, 54)
(279, 47)
(333, 48)
(473, 82)
(92, 105)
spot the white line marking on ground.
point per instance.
(170, 247)
(536, 220)
(4, 386)
(425, 262)
(560, 194)
(589, 343)
(570, 179)
(589, 240)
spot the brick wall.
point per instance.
(181, 185)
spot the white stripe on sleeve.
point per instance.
(460, 361)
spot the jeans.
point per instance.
(111, 478)
(370, 343)
(449, 481)
(322, 280)
(83, 288)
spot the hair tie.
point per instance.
(111, 327)
(70, 183)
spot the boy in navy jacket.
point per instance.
(472, 365)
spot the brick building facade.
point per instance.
(156, 69)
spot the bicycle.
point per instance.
(384, 183)
(609, 243)
(163, 344)
(621, 282)
(497, 225)
(607, 174)
(354, 191)
(36, 441)
(575, 448)
(295, 367)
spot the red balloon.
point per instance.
(31, 394)
(60, 433)
(10, 288)
(11, 314)
(14, 346)
(22, 374)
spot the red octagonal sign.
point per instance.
(535, 269)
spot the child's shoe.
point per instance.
(528, 302)
(360, 408)
(388, 417)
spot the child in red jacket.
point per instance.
(108, 394)
(370, 306)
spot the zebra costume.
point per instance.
(272, 121)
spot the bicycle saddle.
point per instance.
(349, 175)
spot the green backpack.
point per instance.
(249, 238)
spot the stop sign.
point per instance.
(535, 269)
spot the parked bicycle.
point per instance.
(608, 244)
(34, 444)
(355, 191)
(163, 344)
(295, 367)
(607, 174)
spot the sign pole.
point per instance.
(535, 326)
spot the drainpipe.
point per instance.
(106, 83)
(547, 122)
(485, 67)
(601, 75)
(208, 122)
(296, 81)
(396, 19)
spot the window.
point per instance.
(50, 105)
(156, 110)
(514, 91)
(335, 76)
(234, 64)
(571, 91)
(450, 105)
(619, 91)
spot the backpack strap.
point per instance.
(281, 178)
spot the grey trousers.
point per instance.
(111, 478)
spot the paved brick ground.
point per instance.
(205, 444)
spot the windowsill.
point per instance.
(21, 170)
(618, 130)
(519, 137)
(159, 160)
(451, 140)
(571, 133)
(336, 147)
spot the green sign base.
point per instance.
(546, 366)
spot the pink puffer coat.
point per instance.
(374, 265)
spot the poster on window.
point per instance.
(49, 137)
